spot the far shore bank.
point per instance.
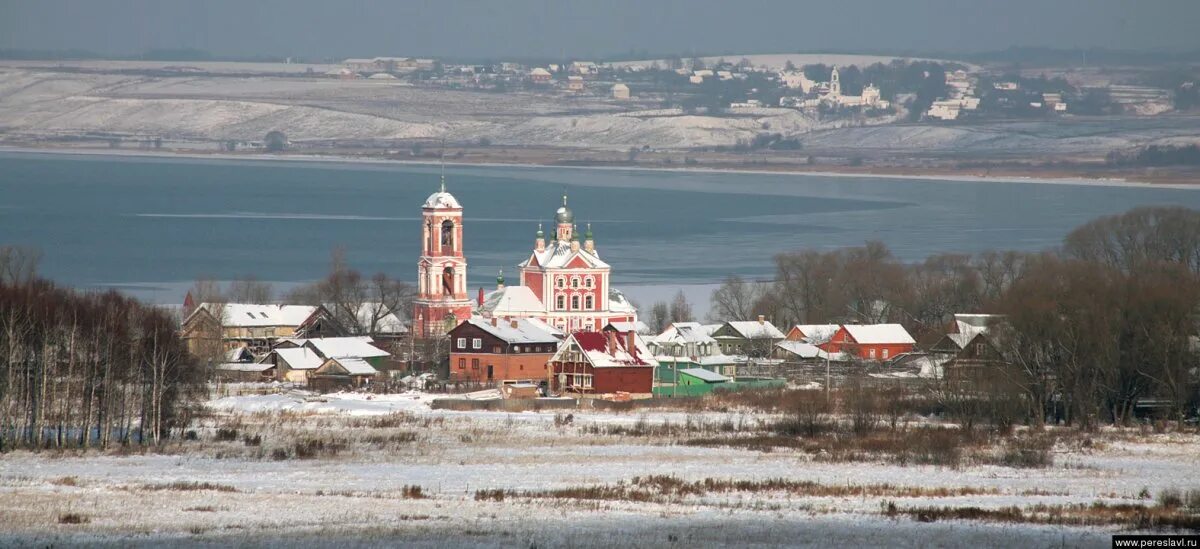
(541, 159)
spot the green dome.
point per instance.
(588, 234)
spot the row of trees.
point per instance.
(88, 369)
(1092, 328)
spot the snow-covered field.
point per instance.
(36, 103)
(208, 492)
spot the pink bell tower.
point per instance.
(442, 300)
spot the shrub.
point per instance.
(226, 435)
(72, 518)
(256, 440)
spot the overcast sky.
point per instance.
(560, 28)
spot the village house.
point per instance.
(539, 76)
(212, 327)
(686, 345)
(812, 333)
(342, 373)
(575, 83)
(371, 319)
(755, 339)
(297, 360)
(239, 365)
(604, 362)
(870, 341)
(487, 350)
(971, 353)
(620, 91)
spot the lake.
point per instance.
(151, 225)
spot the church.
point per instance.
(563, 282)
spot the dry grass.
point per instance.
(1132, 516)
(65, 481)
(73, 518)
(184, 486)
(671, 489)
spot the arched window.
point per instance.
(574, 302)
(448, 235)
(588, 303)
(558, 282)
(561, 302)
(587, 282)
(448, 280)
(575, 282)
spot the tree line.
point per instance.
(1103, 322)
(87, 369)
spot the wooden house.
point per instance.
(880, 342)
(750, 338)
(342, 373)
(595, 363)
(487, 350)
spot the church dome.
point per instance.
(564, 214)
(442, 199)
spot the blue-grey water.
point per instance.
(151, 225)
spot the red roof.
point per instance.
(597, 342)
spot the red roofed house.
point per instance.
(609, 361)
(872, 341)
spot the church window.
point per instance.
(587, 282)
(588, 303)
(561, 302)
(575, 282)
(448, 235)
(558, 282)
(574, 302)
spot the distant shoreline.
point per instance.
(944, 175)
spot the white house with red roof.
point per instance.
(603, 362)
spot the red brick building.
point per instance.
(594, 363)
(493, 350)
(871, 341)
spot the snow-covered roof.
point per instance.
(802, 349)
(558, 254)
(618, 303)
(640, 327)
(704, 375)
(684, 332)
(620, 87)
(442, 199)
(594, 346)
(352, 366)
(511, 301)
(971, 324)
(548, 328)
(518, 330)
(381, 76)
(244, 367)
(538, 71)
(247, 315)
(240, 354)
(873, 334)
(817, 333)
(300, 358)
(753, 329)
(340, 347)
(388, 323)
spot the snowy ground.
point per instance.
(356, 497)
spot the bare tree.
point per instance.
(736, 299)
(249, 289)
(681, 310)
(18, 264)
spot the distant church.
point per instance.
(563, 282)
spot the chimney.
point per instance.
(495, 321)
(762, 319)
(480, 298)
(630, 344)
(612, 342)
(513, 323)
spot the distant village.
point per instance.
(559, 330)
(938, 91)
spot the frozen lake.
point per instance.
(151, 225)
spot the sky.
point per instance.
(483, 29)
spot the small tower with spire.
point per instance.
(500, 280)
(574, 239)
(589, 245)
(540, 243)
